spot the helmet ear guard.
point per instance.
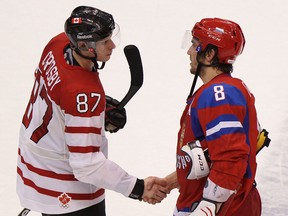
(82, 45)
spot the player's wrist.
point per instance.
(138, 190)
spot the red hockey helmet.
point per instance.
(224, 34)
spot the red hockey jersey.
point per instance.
(222, 116)
(62, 158)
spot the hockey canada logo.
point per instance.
(64, 199)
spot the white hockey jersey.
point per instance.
(62, 155)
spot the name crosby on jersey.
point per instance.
(51, 70)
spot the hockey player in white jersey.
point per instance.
(62, 157)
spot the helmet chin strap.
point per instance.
(197, 73)
(199, 66)
(93, 59)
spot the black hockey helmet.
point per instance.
(88, 24)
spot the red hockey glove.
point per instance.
(115, 118)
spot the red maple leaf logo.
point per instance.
(64, 198)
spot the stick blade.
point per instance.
(136, 70)
(135, 64)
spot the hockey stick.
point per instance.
(136, 70)
(24, 212)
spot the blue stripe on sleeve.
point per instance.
(223, 125)
(195, 124)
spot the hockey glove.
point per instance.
(205, 208)
(263, 140)
(213, 198)
(200, 166)
(115, 118)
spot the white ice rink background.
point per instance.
(147, 144)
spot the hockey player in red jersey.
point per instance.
(62, 157)
(217, 140)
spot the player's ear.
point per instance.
(82, 45)
(209, 55)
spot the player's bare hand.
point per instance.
(155, 190)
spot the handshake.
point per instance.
(156, 189)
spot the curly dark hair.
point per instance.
(225, 68)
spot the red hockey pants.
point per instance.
(251, 206)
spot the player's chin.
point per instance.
(192, 71)
(108, 57)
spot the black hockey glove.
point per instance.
(115, 118)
